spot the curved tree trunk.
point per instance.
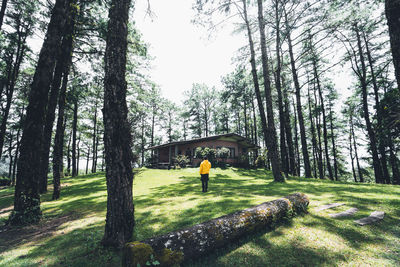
(117, 133)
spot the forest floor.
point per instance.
(167, 200)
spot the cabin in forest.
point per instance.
(239, 148)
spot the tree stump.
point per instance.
(195, 241)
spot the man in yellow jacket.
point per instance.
(205, 167)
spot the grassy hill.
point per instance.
(167, 200)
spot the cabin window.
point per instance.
(231, 152)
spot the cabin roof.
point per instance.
(223, 137)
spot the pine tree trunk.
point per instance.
(69, 152)
(296, 138)
(254, 73)
(10, 148)
(319, 143)
(27, 198)
(335, 165)
(271, 132)
(288, 131)
(392, 10)
(16, 156)
(10, 84)
(2, 11)
(351, 156)
(63, 59)
(58, 151)
(382, 137)
(94, 138)
(117, 134)
(87, 161)
(74, 131)
(254, 125)
(306, 158)
(278, 85)
(324, 123)
(371, 133)
(360, 175)
(313, 138)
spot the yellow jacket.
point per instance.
(205, 167)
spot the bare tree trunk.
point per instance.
(27, 198)
(94, 138)
(58, 151)
(254, 73)
(360, 175)
(69, 154)
(335, 165)
(87, 160)
(382, 138)
(117, 136)
(63, 58)
(74, 131)
(371, 133)
(351, 155)
(271, 141)
(306, 158)
(296, 138)
(2, 11)
(313, 138)
(392, 10)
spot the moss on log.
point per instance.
(192, 242)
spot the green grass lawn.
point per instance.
(166, 200)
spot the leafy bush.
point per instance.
(210, 153)
(223, 153)
(4, 181)
(182, 160)
(262, 159)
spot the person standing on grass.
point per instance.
(205, 167)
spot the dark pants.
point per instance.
(204, 182)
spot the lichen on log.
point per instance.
(203, 238)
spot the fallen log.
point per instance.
(192, 242)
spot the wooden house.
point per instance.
(238, 146)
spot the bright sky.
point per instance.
(183, 54)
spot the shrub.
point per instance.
(4, 181)
(262, 159)
(182, 160)
(223, 153)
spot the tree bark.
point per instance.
(288, 131)
(392, 10)
(69, 152)
(12, 79)
(205, 238)
(306, 158)
(74, 131)
(254, 73)
(94, 138)
(117, 134)
(64, 58)
(335, 165)
(351, 155)
(271, 132)
(2, 11)
(324, 123)
(278, 85)
(382, 137)
(313, 138)
(27, 198)
(360, 175)
(58, 151)
(87, 160)
(296, 138)
(371, 133)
